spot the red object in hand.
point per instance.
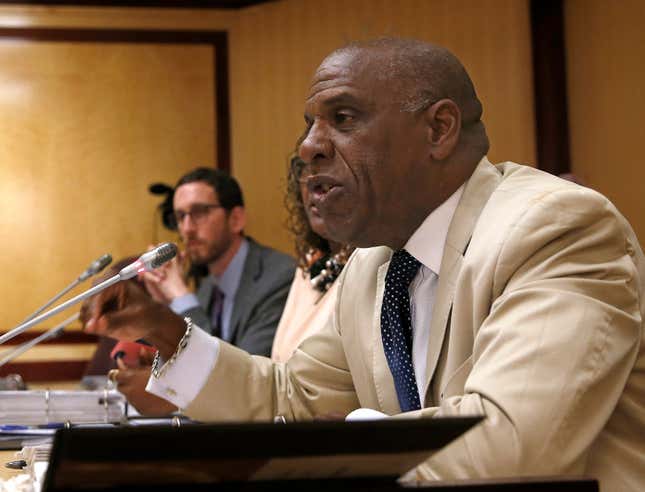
(130, 352)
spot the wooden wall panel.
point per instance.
(112, 18)
(86, 128)
(275, 49)
(606, 75)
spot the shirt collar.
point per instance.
(428, 241)
(229, 281)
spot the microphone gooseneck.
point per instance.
(147, 261)
(95, 267)
(21, 349)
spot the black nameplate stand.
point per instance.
(303, 456)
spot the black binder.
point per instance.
(236, 456)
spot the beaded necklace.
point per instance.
(324, 271)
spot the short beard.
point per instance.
(214, 253)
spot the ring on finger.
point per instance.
(112, 375)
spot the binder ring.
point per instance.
(47, 403)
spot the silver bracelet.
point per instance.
(157, 371)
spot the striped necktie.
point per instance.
(217, 304)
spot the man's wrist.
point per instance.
(167, 339)
(157, 368)
(178, 291)
(182, 382)
(184, 303)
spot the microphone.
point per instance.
(148, 261)
(22, 348)
(95, 267)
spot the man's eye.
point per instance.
(343, 117)
(199, 210)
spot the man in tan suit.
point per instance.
(524, 289)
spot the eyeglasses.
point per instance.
(197, 213)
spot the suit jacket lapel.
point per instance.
(251, 272)
(205, 292)
(476, 193)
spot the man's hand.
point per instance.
(132, 383)
(167, 282)
(126, 312)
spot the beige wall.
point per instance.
(275, 49)
(86, 127)
(606, 80)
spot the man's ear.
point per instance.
(237, 219)
(444, 126)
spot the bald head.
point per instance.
(420, 74)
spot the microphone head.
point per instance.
(96, 266)
(100, 263)
(162, 253)
(149, 261)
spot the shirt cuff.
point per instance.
(183, 303)
(185, 378)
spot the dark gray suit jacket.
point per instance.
(258, 302)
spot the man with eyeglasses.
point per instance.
(243, 296)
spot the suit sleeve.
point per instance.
(552, 357)
(315, 381)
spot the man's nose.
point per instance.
(316, 145)
(186, 225)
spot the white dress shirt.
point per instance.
(426, 245)
(182, 382)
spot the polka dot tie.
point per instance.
(396, 328)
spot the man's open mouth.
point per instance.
(320, 187)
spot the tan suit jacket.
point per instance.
(306, 312)
(537, 324)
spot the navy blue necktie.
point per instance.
(396, 328)
(217, 305)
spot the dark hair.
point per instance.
(225, 186)
(304, 237)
